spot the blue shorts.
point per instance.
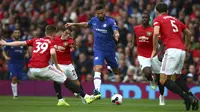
(16, 70)
(109, 57)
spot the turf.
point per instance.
(48, 104)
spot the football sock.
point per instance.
(57, 88)
(97, 80)
(14, 89)
(74, 88)
(183, 85)
(160, 86)
(172, 86)
(81, 87)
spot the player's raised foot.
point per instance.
(96, 92)
(62, 102)
(161, 100)
(195, 104)
(153, 83)
(91, 98)
(15, 97)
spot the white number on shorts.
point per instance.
(175, 28)
(42, 47)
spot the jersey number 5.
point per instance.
(41, 47)
(175, 28)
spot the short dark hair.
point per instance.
(50, 29)
(162, 7)
(99, 7)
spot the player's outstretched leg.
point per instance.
(76, 89)
(14, 87)
(161, 90)
(148, 74)
(61, 101)
(183, 85)
(172, 86)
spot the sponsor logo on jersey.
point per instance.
(143, 39)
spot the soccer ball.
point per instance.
(117, 99)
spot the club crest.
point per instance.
(149, 33)
(65, 43)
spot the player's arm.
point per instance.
(5, 56)
(155, 40)
(81, 24)
(116, 35)
(188, 35)
(15, 43)
(115, 30)
(54, 58)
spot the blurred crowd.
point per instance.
(31, 17)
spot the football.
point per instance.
(117, 99)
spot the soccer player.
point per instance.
(65, 62)
(144, 38)
(105, 34)
(15, 60)
(39, 66)
(171, 30)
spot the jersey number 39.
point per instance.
(41, 47)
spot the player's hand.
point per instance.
(188, 47)
(153, 54)
(57, 67)
(116, 35)
(2, 42)
(68, 24)
(7, 58)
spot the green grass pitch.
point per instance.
(48, 104)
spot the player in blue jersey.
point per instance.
(15, 57)
(105, 34)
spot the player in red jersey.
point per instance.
(171, 30)
(65, 62)
(144, 38)
(43, 49)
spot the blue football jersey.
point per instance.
(15, 53)
(103, 33)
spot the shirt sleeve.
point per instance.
(90, 22)
(71, 42)
(6, 48)
(183, 27)
(30, 42)
(114, 25)
(156, 22)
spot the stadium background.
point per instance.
(31, 17)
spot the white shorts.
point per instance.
(146, 62)
(69, 71)
(173, 61)
(47, 73)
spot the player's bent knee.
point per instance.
(77, 82)
(98, 68)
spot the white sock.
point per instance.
(61, 99)
(97, 80)
(14, 89)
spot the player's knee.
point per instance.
(77, 82)
(162, 81)
(14, 79)
(98, 68)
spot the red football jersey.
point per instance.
(144, 38)
(64, 57)
(41, 52)
(171, 31)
